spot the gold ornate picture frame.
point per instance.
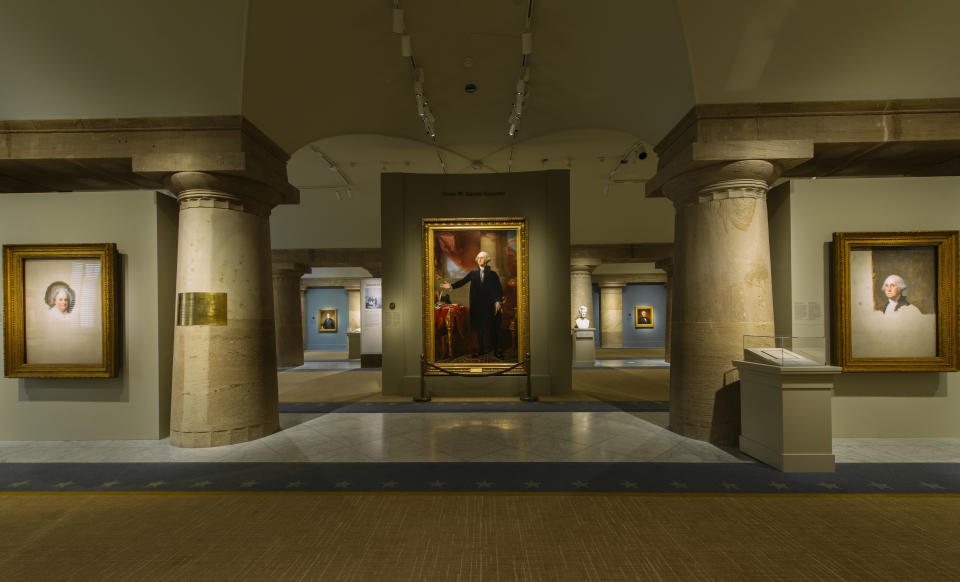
(895, 301)
(327, 320)
(473, 324)
(60, 311)
(643, 316)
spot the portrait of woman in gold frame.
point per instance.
(895, 301)
(60, 311)
(475, 295)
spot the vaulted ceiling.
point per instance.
(606, 77)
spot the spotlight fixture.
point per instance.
(406, 51)
(398, 26)
(520, 95)
(526, 43)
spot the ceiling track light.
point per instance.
(520, 94)
(398, 25)
(332, 167)
(406, 51)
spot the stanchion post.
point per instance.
(529, 397)
(423, 385)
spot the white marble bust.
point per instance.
(582, 322)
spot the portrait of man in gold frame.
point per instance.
(895, 301)
(643, 316)
(475, 295)
(60, 311)
(327, 320)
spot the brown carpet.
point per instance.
(606, 385)
(627, 353)
(354, 538)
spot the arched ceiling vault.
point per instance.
(314, 70)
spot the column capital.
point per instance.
(579, 268)
(665, 264)
(209, 190)
(612, 285)
(738, 179)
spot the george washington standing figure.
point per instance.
(486, 296)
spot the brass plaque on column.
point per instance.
(201, 309)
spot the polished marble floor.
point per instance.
(333, 364)
(466, 437)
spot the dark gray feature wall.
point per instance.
(543, 198)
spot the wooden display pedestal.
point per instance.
(785, 415)
(584, 347)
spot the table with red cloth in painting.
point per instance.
(451, 321)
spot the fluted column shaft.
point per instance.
(287, 313)
(224, 363)
(611, 315)
(581, 292)
(721, 291)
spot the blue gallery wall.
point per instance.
(326, 298)
(654, 294)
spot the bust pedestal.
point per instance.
(584, 349)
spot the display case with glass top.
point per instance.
(784, 351)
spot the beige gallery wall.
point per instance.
(136, 404)
(869, 404)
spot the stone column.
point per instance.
(303, 310)
(353, 304)
(611, 315)
(666, 265)
(581, 292)
(225, 359)
(288, 313)
(721, 291)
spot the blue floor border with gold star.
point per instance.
(502, 477)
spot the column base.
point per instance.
(693, 431)
(217, 438)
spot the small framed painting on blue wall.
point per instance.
(327, 320)
(643, 316)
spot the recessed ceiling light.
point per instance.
(470, 88)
